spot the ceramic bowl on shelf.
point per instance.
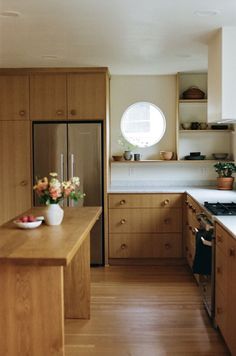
(166, 155)
(220, 155)
(27, 225)
(186, 125)
(117, 158)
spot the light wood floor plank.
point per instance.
(144, 311)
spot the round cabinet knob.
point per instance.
(219, 238)
(122, 202)
(73, 112)
(167, 221)
(23, 183)
(123, 221)
(232, 252)
(59, 112)
(123, 246)
(166, 202)
(167, 246)
(186, 202)
(194, 210)
(22, 112)
(219, 310)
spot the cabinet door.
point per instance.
(48, 96)
(86, 96)
(15, 187)
(231, 295)
(14, 97)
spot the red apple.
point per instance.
(31, 218)
(24, 218)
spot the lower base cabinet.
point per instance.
(226, 286)
(145, 226)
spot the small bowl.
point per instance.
(220, 155)
(186, 125)
(117, 158)
(166, 155)
(27, 225)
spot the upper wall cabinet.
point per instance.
(48, 96)
(222, 76)
(86, 96)
(14, 97)
(73, 96)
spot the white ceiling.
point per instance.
(128, 36)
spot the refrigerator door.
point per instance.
(50, 150)
(85, 161)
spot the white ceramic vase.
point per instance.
(53, 214)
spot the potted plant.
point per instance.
(225, 170)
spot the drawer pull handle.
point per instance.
(166, 202)
(194, 210)
(123, 246)
(122, 202)
(22, 112)
(73, 112)
(123, 221)
(186, 202)
(167, 221)
(59, 112)
(167, 246)
(23, 183)
(232, 252)
(190, 206)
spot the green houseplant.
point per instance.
(225, 170)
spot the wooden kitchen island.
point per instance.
(44, 277)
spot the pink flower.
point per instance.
(55, 193)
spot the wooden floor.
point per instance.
(144, 311)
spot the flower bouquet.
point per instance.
(52, 191)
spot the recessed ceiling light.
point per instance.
(49, 56)
(10, 14)
(206, 12)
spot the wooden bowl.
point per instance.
(166, 155)
(117, 158)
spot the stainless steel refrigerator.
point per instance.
(74, 149)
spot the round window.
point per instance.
(143, 124)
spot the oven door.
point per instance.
(204, 264)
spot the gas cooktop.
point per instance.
(221, 208)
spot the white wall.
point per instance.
(161, 91)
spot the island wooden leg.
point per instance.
(31, 310)
(77, 284)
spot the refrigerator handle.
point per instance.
(62, 166)
(72, 161)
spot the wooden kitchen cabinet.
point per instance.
(225, 286)
(68, 95)
(145, 226)
(15, 178)
(14, 97)
(86, 96)
(48, 96)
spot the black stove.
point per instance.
(221, 208)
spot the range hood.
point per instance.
(222, 76)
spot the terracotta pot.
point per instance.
(225, 183)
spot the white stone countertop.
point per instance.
(201, 194)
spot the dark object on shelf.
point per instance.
(137, 156)
(195, 125)
(195, 154)
(193, 93)
(219, 127)
(220, 155)
(195, 158)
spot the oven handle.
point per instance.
(206, 242)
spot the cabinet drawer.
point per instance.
(145, 246)
(221, 269)
(123, 201)
(145, 220)
(221, 238)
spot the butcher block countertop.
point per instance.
(47, 245)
